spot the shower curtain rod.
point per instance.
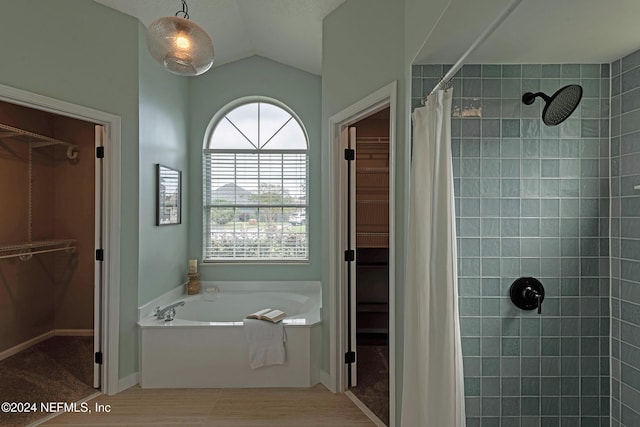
(481, 38)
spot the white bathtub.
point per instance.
(205, 346)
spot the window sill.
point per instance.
(207, 263)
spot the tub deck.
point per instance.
(194, 354)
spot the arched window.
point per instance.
(255, 171)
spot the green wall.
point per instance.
(101, 68)
(98, 66)
(361, 56)
(255, 76)
(164, 110)
(82, 52)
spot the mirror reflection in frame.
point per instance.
(169, 196)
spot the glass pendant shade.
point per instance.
(181, 46)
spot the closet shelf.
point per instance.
(26, 250)
(372, 240)
(373, 202)
(372, 170)
(373, 307)
(374, 139)
(36, 140)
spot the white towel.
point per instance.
(266, 342)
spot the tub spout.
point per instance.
(169, 312)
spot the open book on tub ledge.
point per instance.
(269, 315)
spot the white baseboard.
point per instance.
(54, 332)
(325, 379)
(128, 381)
(73, 332)
(25, 345)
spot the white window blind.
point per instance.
(255, 196)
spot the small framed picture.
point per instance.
(169, 208)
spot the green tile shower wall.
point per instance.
(531, 200)
(625, 241)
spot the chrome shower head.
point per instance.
(559, 106)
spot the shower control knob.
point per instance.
(533, 295)
(527, 293)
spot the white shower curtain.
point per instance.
(433, 383)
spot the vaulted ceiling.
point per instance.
(286, 31)
(538, 31)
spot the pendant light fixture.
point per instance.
(180, 45)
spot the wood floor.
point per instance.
(314, 406)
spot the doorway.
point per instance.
(50, 279)
(369, 380)
(110, 221)
(343, 362)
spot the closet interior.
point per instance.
(372, 226)
(47, 258)
(372, 262)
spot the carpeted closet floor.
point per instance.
(59, 369)
(373, 379)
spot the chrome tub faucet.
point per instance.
(169, 312)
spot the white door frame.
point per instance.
(111, 215)
(350, 142)
(382, 98)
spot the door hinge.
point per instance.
(349, 154)
(100, 152)
(350, 357)
(98, 357)
(99, 254)
(349, 255)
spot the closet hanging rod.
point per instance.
(373, 202)
(28, 255)
(372, 138)
(36, 140)
(36, 244)
(25, 250)
(481, 38)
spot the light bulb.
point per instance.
(183, 42)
